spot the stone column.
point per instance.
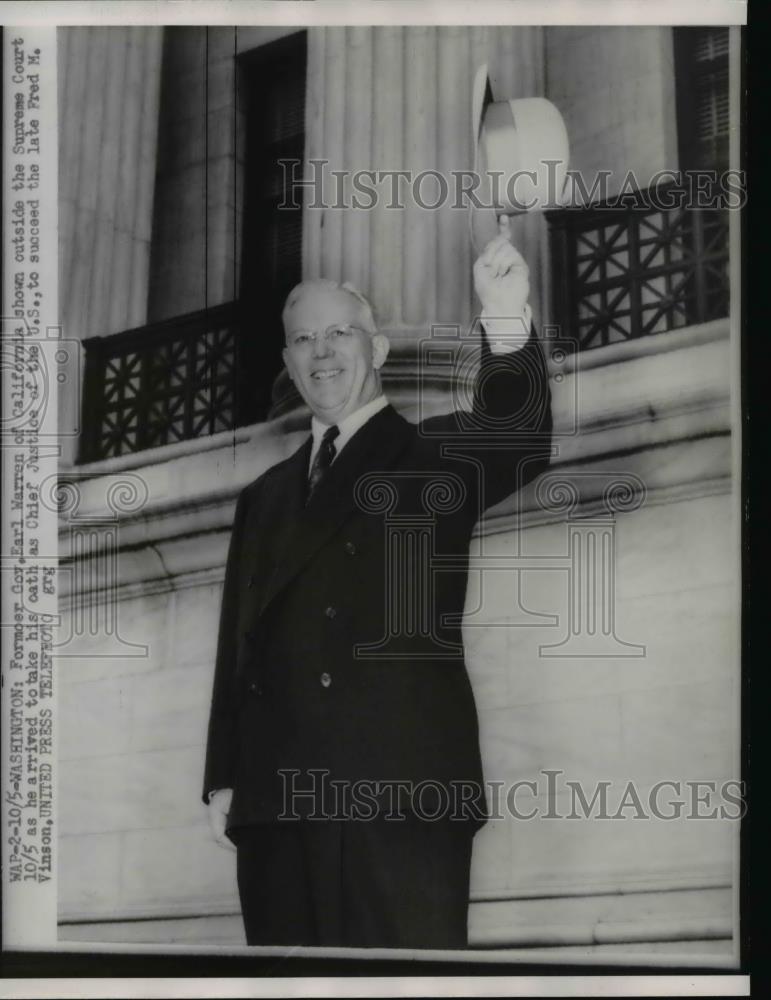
(109, 87)
(399, 98)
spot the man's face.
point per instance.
(330, 357)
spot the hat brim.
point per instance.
(483, 222)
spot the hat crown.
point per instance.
(521, 154)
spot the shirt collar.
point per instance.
(348, 425)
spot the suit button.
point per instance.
(326, 679)
(255, 689)
(330, 612)
(350, 548)
(252, 581)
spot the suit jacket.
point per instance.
(340, 645)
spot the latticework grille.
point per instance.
(160, 384)
(623, 273)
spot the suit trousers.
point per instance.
(350, 883)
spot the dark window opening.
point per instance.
(274, 93)
(208, 371)
(701, 81)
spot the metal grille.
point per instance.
(623, 273)
(159, 384)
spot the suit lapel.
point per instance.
(304, 530)
(286, 489)
(277, 515)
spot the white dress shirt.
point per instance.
(507, 335)
(347, 426)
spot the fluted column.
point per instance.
(315, 90)
(357, 143)
(387, 225)
(109, 106)
(109, 100)
(333, 109)
(454, 147)
(421, 110)
(399, 98)
(522, 59)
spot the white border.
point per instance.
(344, 12)
(396, 986)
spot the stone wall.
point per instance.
(616, 90)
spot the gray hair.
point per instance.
(328, 284)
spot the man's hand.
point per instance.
(501, 280)
(219, 807)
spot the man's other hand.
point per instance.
(501, 277)
(219, 807)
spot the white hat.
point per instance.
(524, 141)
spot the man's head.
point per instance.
(333, 351)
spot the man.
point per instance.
(339, 663)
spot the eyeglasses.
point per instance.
(335, 334)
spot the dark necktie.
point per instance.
(322, 461)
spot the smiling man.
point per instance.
(340, 693)
(334, 352)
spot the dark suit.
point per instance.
(307, 587)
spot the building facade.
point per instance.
(177, 147)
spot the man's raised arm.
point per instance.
(511, 395)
